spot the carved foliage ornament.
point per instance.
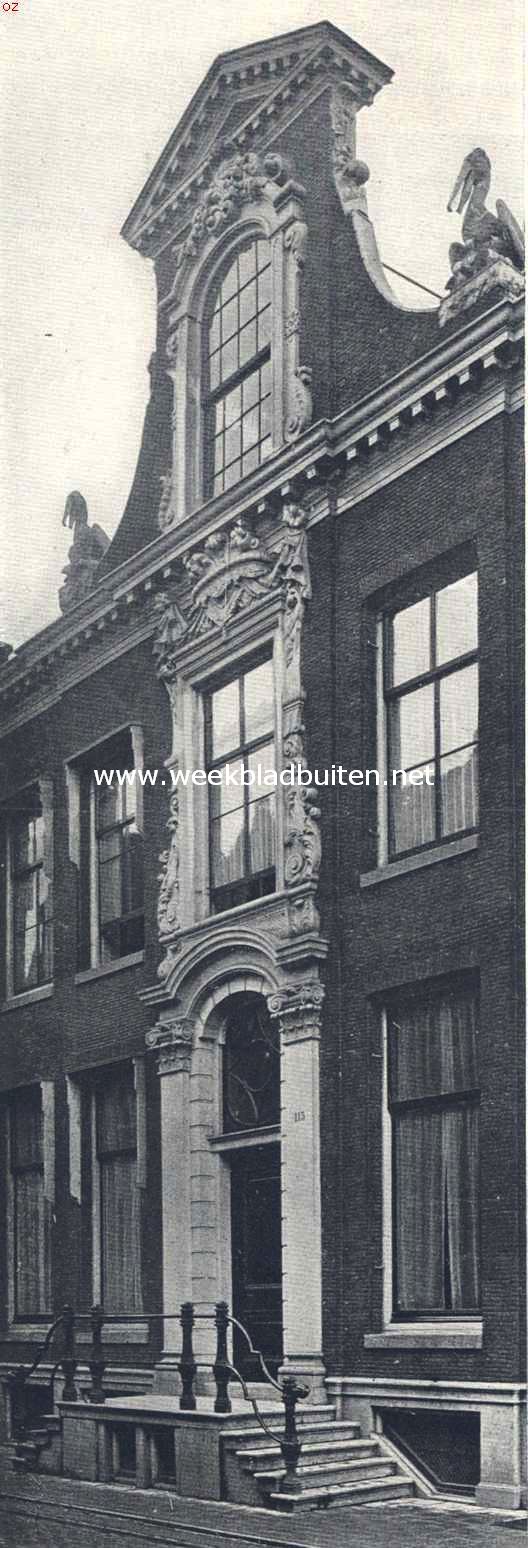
(241, 179)
(230, 573)
(169, 891)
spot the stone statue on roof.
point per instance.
(89, 545)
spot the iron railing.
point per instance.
(289, 1390)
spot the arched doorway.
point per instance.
(251, 1129)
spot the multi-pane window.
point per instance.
(29, 1211)
(431, 699)
(31, 896)
(117, 1248)
(119, 871)
(240, 747)
(111, 921)
(237, 369)
(434, 1106)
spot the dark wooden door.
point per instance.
(256, 1248)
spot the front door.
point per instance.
(256, 1250)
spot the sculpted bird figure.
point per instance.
(486, 237)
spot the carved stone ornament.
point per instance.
(165, 515)
(298, 1008)
(172, 1041)
(239, 180)
(169, 892)
(350, 175)
(84, 557)
(292, 571)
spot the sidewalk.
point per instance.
(45, 1512)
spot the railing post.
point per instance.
(68, 1361)
(221, 1367)
(97, 1360)
(187, 1367)
(290, 1443)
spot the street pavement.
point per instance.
(27, 1521)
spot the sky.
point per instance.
(90, 94)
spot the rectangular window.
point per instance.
(116, 1194)
(111, 850)
(434, 1107)
(430, 674)
(30, 903)
(29, 1211)
(242, 806)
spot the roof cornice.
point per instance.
(436, 387)
(285, 69)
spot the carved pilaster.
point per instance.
(350, 175)
(172, 1041)
(302, 813)
(298, 383)
(168, 876)
(298, 1009)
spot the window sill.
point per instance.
(461, 846)
(428, 1335)
(102, 971)
(28, 997)
(241, 1139)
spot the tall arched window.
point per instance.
(237, 369)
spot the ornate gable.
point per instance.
(244, 98)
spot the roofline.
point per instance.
(316, 31)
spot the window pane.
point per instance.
(413, 812)
(265, 417)
(459, 709)
(229, 316)
(264, 288)
(232, 474)
(261, 765)
(31, 1245)
(214, 372)
(230, 282)
(411, 646)
(248, 343)
(412, 729)
(251, 390)
(219, 458)
(457, 619)
(265, 448)
(225, 719)
(229, 359)
(233, 406)
(433, 1047)
(248, 303)
(228, 796)
(214, 332)
(109, 805)
(251, 1068)
(459, 790)
(262, 834)
(247, 262)
(120, 1243)
(232, 443)
(227, 848)
(25, 901)
(116, 1111)
(251, 460)
(264, 328)
(258, 701)
(250, 428)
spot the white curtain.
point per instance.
(433, 1061)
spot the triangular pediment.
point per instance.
(244, 96)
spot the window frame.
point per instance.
(84, 846)
(241, 886)
(135, 1153)
(389, 694)
(42, 788)
(211, 396)
(279, 216)
(45, 1169)
(393, 1316)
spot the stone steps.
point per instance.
(337, 1464)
